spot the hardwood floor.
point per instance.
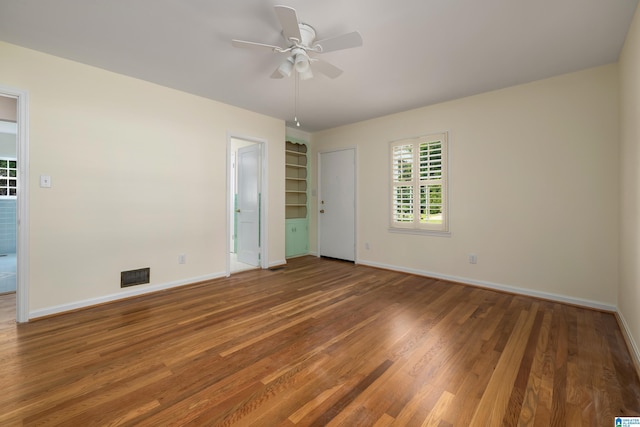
(317, 343)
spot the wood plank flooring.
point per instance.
(318, 343)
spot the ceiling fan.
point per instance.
(301, 42)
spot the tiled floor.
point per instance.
(7, 273)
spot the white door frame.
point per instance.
(264, 260)
(355, 195)
(22, 250)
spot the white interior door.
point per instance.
(337, 204)
(248, 208)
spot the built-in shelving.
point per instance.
(296, 180)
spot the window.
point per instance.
(419, 184)
(8, 178)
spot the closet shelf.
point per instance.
(296, 180)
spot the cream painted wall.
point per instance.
(629, 292)
(533, 188)
(139, 177)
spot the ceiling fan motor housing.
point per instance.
(308, 35)
(300, 51)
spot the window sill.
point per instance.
(418, 231)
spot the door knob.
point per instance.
(321, 210)
(238, 210)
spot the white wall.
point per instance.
(533, 188)
(139, 177)
(629, 292)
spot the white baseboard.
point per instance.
(496, 286)
(277, 263)
(130, 292)
(633, 346)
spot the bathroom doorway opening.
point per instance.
(246, 204)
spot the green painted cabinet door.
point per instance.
(297, 237)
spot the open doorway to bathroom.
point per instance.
(8, 195)
(245, 204)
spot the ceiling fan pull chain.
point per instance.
(297, 95)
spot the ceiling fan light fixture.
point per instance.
(301, 60)
(286, 67)
(307, 74)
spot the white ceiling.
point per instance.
(415, 53)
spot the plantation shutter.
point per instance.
(418, 183)
(402, 160)
(430, 155)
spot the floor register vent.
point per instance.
(135, 277)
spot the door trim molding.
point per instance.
(264, 197)
(22, 214)
(355, 195)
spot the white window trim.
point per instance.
(415, 227)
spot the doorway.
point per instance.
(337, 204)
(246, 205)
(14, 187)
(8, 194)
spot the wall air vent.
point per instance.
(135, 277)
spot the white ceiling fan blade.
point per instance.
(289, 22)
(325, 68)
(345, 41)
(255, 46)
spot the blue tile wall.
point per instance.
(7, 226)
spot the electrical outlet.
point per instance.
(366, 246)
(473, 259)
(45, 181)
(182, 259)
